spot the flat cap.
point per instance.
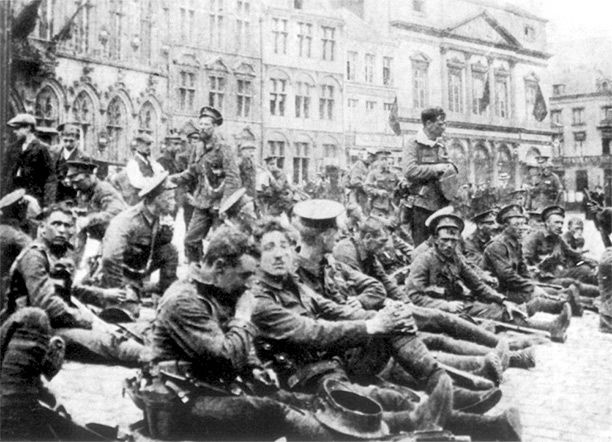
(84, 164)
(232, 200)
(552, 210)
(444, 218)
(69, 128)
(12, 198)
(485, 215)
(46, 131)
(22, 120)
(144, 137)
(156, 184)
(319, 213)
(208, 111)
(510, 211)
(247, 145)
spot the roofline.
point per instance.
(480, 127)
(511, 9)
(446, 34)
(581, 95)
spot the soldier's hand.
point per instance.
(441, 168)
(114, 295)
(245, 306)
(354, 303)
(455, 307)
(81, 321)
(387, 320)
(512, 310)
(266, 376)
(436, 291)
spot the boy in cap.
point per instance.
(134, 245)
(33, 167)
(214, 174)
(68, 150)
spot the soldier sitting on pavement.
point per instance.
(554, 259)
(136, 244)
(475, 243)
(441, 278)
(40, 277)
(308, 337)
(574, 235)
(438, 329)
(380, 185)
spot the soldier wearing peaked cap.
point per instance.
(476, 242)
(274, 192)
(248, 167)
(546, 188)
(32, 166)
(214, 174)
(134, 244)
(355, 180)
(555, 259)
(380, 185)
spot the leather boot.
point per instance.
(524, 341)
(479, 402)
(503, 427)
(502, 351)
(573, 297)
(587, 290)
(429, 414)
(523, 358)
(556, 327)
(541, 304)
(488, 367)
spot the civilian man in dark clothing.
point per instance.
(425, 161)
(67, 151)
(33, 166)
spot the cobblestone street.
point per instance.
(567, 397)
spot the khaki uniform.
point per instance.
(379, 186)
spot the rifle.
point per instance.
(467, 380)
(503, 326)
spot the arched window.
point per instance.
(116, 126)
(147, 122)
(276, 148)
(83, 113)
(482, 165)
(457, 155)
(504, 163)
(47, 107)
(301, 159)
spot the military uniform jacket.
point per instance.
(549, 252)
(128, 244)
(32, 169)
(302, 324)
(58, 155)
(102, 203)
(420, 155)
(195, 323)
(214, 172)
(350, 252)
(338, 281)
(247, 176)
(504, 258)
(474, 246)
(379, 186)
(545, 192)
(431, 269)
(576, 244)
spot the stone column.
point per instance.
(470, 164)
(468, 86)
(491, 80)
(443, 78)
(512, 91)
(495, 160)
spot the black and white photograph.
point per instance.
(306, 220)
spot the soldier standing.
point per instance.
(33, 166)
(380, 185)
(424, 164)
(142, 166)
(546, 188)
(274, 190)
(247, 167)
(68, 151)
(355, 181)
(215, 175)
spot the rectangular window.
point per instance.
(243, 23)
(582, 179)
(244, 96)
(305, 39)
(501, 97)
(216, 92)
(329, 43)
(280, 35)
(216, 33)
(387, 106)
(531, 90)
(278, 95)
(352, 103)
(187, 21)
(529, 33)
(369, 68)
(386, 71)
(370, 106)
(186, 90)
(302, 99)
(419, 85)
(455, 90)
(146, 27)
(555, 117)
(558, 89)
(46, 28)
(478, 88)
(351, 65)
(277, 149)
(116, 29)
(577, 116)
(80, 30)
(330, 150)
(579, 140)
(605, 146)
(301, 160)
(326, 103)
(606, 113)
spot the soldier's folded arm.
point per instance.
(278, 323)
(477, 286)
(372, 293)
(198, 332)
(413, 171)
(41, 289)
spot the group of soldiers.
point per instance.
(358, 307)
